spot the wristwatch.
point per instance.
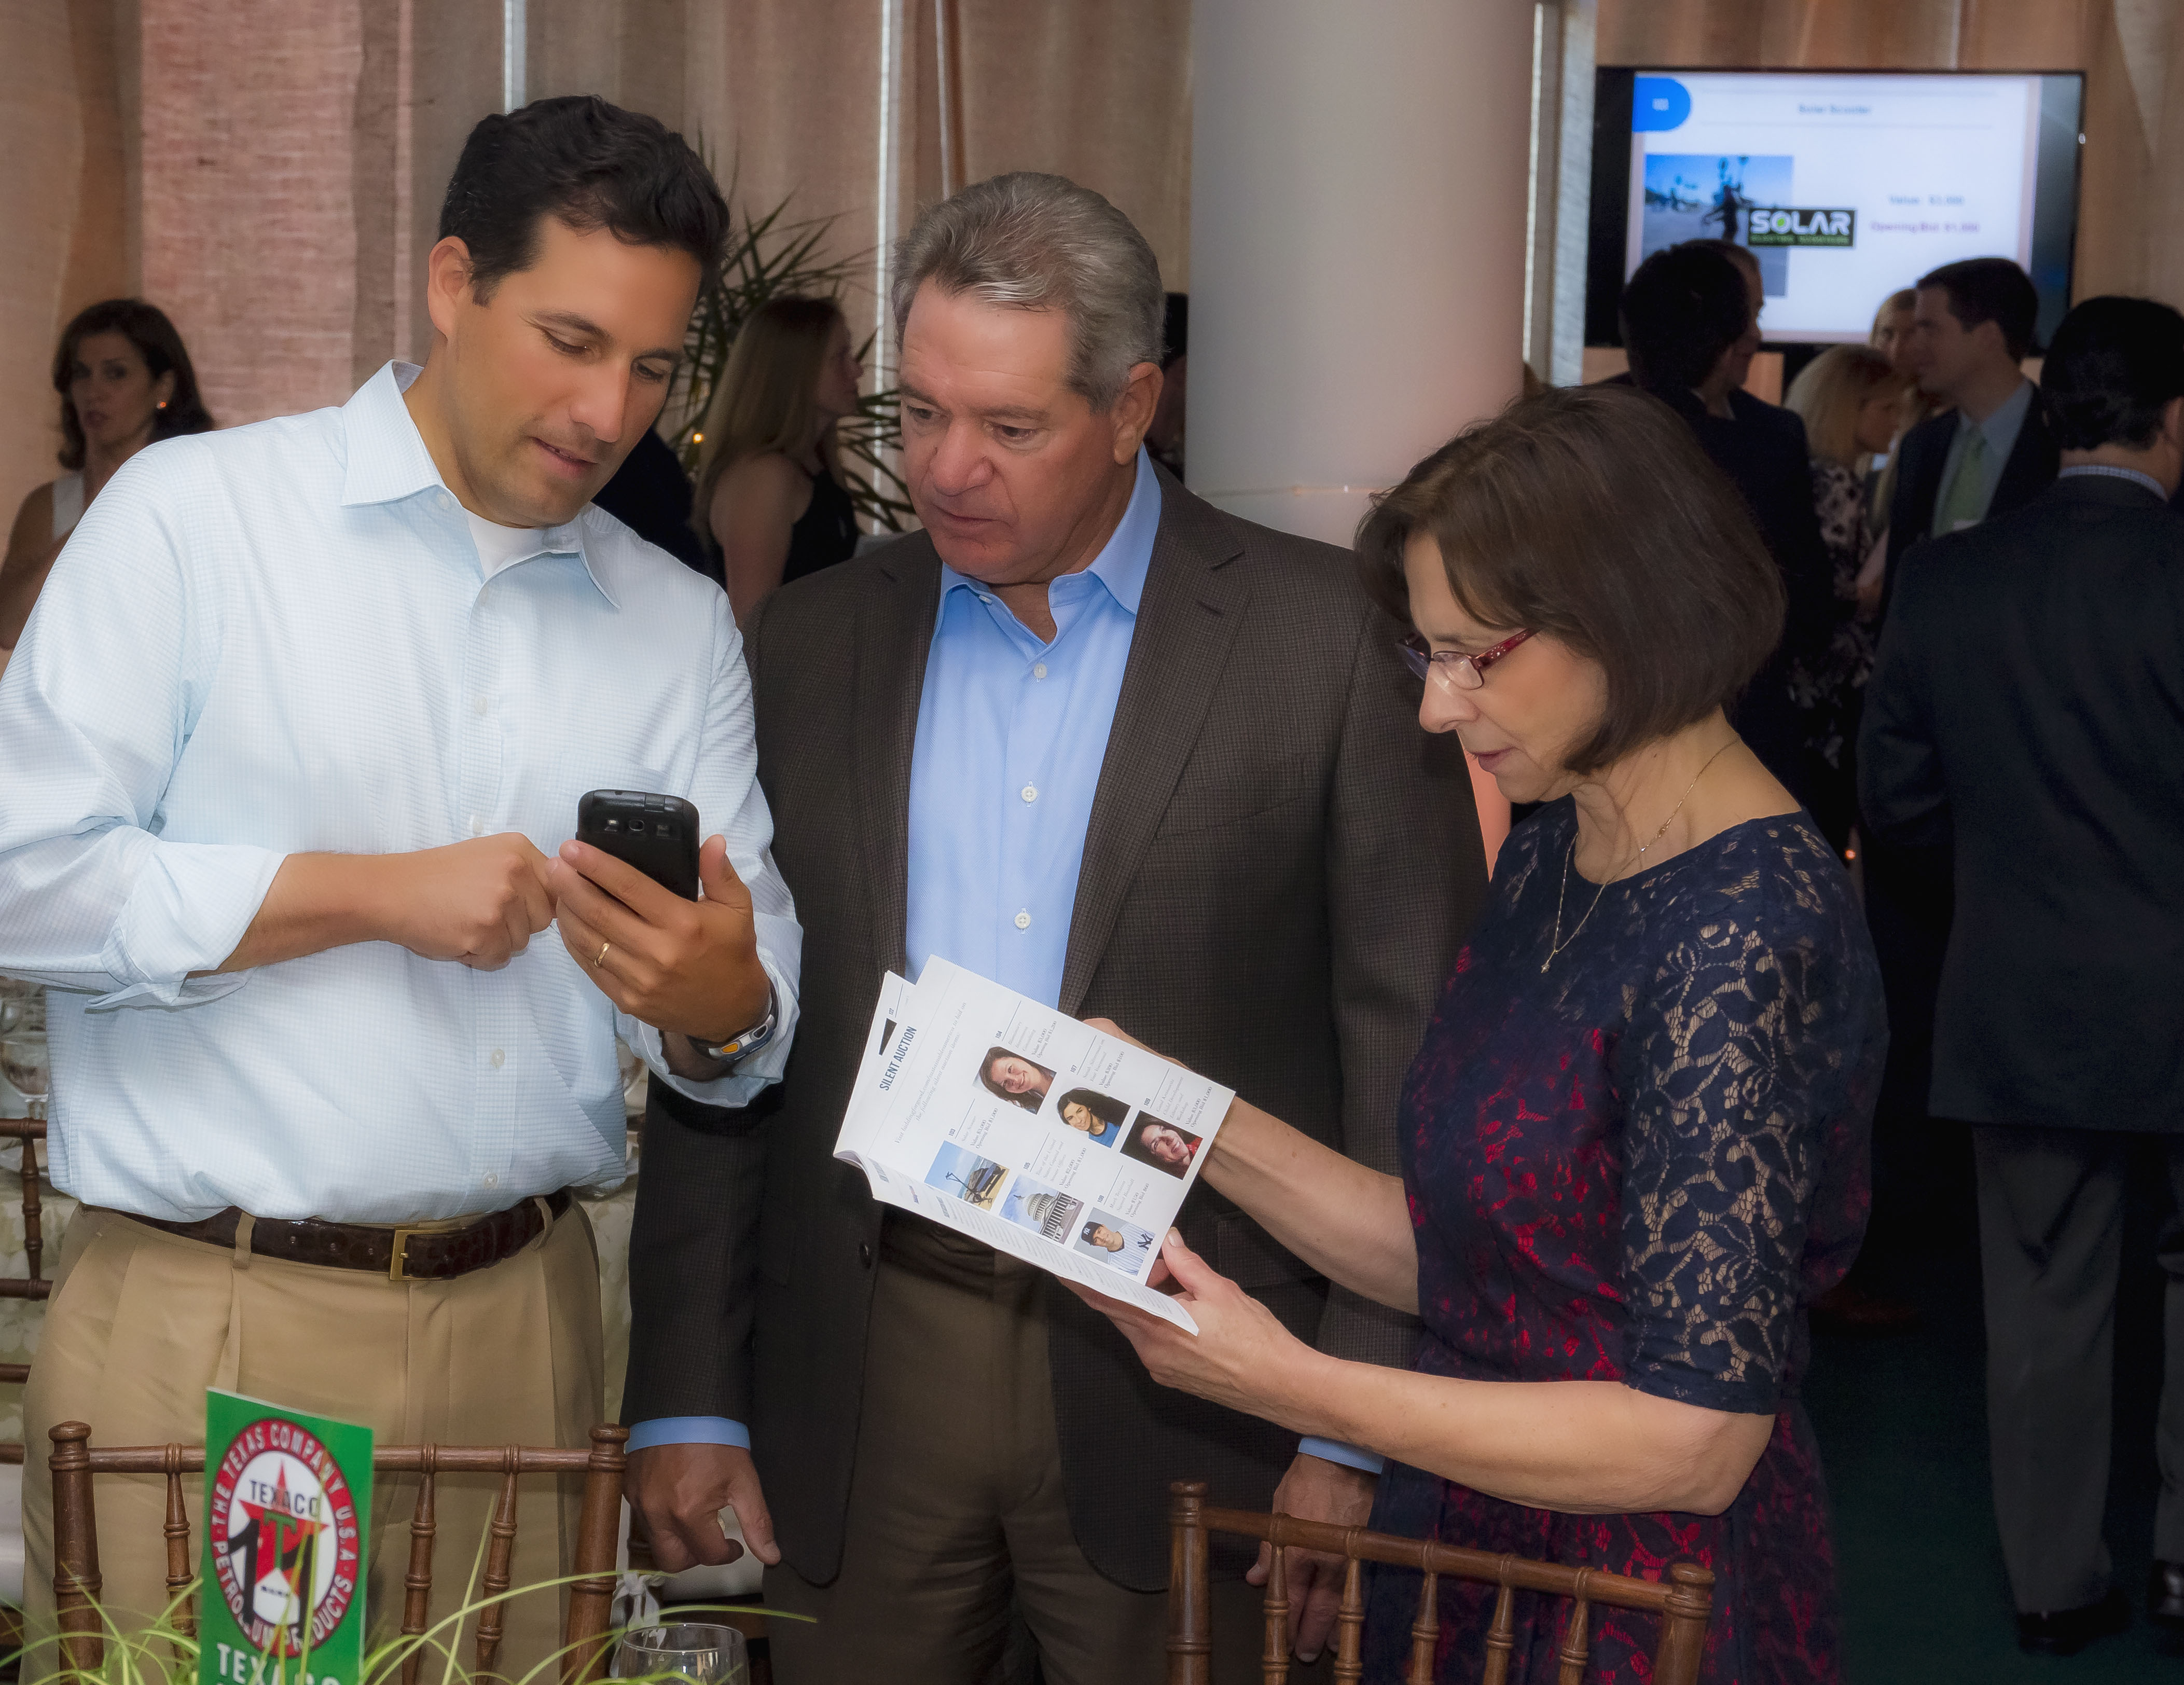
(744, 1045)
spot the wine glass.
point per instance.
(710, 1655)
(26, 1063)
(22, 1006)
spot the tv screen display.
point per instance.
(1845, 185)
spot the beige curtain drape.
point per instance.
(271, 173)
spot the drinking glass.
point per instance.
(711, 1655)
(25, 1062)
(22, 1006)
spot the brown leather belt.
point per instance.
(401, 1253)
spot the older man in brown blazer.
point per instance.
(1088, 735)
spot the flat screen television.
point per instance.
(1847, 184)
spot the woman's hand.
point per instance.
(1241, 1356)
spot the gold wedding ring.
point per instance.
(602, 959)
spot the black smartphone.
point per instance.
(657, 834)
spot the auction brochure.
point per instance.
(1001, 1119)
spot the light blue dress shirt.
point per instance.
(280, 638)
(1998, 433)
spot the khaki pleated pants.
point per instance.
(141, 1322)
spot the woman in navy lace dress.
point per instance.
(1634, 1140)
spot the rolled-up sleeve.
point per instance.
(95, 707)
(725, 790)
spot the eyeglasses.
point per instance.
(1452, 669)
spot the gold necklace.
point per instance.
(1556, 944)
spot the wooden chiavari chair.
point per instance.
(76, 1583)
(1683, 1601)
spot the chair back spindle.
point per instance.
(1683, 1599)
(179, 1570)
(1274, 1659)
(1502, 1636)
(499, 1559)
(1577, 1634)
(1425, 1631)
(417, 1583)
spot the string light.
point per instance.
(697, 438)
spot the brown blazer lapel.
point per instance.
(893, 633)
(1193, 604)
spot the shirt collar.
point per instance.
(2001, 428)
(387, 460)
(2108, 471)
(1124, 561)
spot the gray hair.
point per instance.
(1028, 242)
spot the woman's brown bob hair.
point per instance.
(1589, 515)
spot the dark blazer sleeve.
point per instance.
(1406, 877)
(1900, 790)
(1924, 449)
(694, 1242)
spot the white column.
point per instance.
(1357, 202)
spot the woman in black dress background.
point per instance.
(770, 494)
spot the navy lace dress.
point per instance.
(1640, 1165)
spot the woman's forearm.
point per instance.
(1587, 1446)
(1350, 1222)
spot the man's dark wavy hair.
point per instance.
(2116, 365)
(591, 164)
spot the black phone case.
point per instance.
(657, 834)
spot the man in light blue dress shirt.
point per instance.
(1088, 735)
(290, 756)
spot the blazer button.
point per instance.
(864, 1254)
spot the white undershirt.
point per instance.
(500, 547)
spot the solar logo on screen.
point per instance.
(1778, 227)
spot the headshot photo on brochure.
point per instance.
(1015, 1078)
(1110, 1240)
(1098, 1116)
(1162, 1146)
(972, 1179)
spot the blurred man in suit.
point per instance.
(2026, 712)
(1691, 324)
(1089, 736)
(1988, 451)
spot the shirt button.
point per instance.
(1030, 793)
(479, 705)
(499, 1058)
(491, 1180)
(1040, 672)
(444, 501)
(1023, 921)
(477, 825)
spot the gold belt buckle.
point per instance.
(398, 1266)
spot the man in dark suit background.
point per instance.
(2026, 711)
(1088, 735)
(1988, 452)
(1690, 325)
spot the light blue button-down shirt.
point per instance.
(1011, 735)
(280, 638)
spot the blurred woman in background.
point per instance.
(124, 380)
(1849, 398)
(770, 494)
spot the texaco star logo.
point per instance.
(285, 1536)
